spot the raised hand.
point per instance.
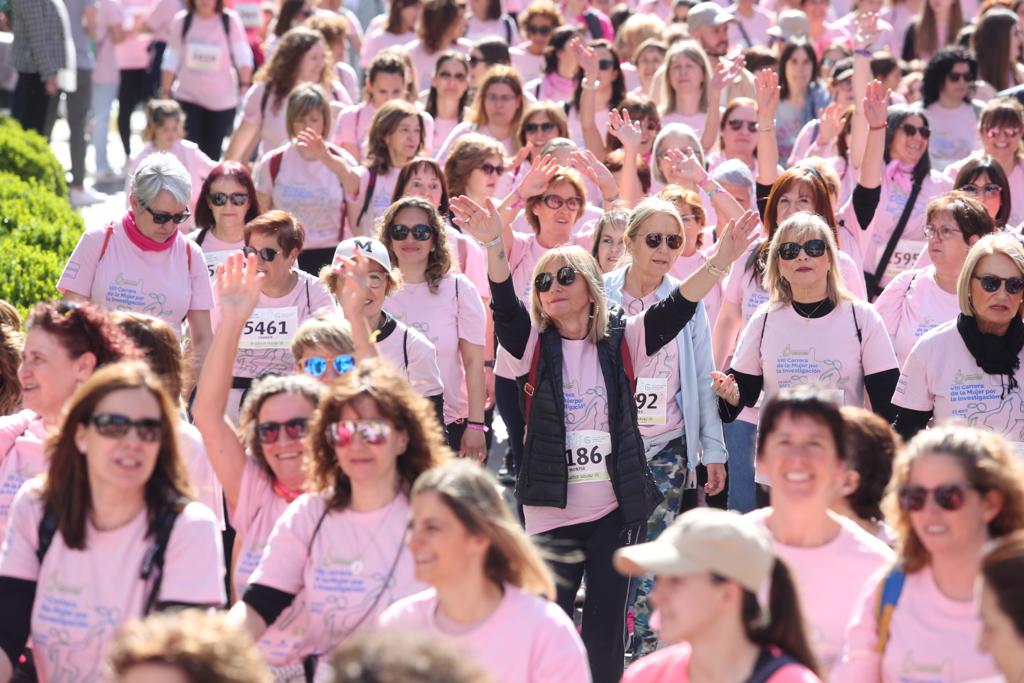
(737, 236)
(766, 89)
(312, 142)
(353, 288)
(725, 73)
(876, 104)
(539, 177)
(725, 387)
(686, 164)
(586, 56)
(520, 157)
(867, 31)
(482, 224)
(624, 129)
(237, 284)
(590, 166)
(829, 123)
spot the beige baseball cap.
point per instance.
(705, 540)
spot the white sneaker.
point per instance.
(108, 176)
(85, 197)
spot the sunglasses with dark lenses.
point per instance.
(162, 217)
(606, 64)
(114, 426)
(316, 366)
(1002, 132)
(491, 169)
(910, 130)
(221, 198)
(992, 283)
(535, 30)
(553, 201)
(545, 127)
(737, 125)
(566, 275)
(265, 254)
(295, 428)
(673, 242)
(955, 77)
(790, 250)
(372, 432)
(949, 497)
(474, 60)
(987, 190)
(420, 232)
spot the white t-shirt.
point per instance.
(415, 356)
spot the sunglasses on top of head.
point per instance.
(269, 432)
(949, 497)
(566, 275)
(654, 239)
(162, 217)
(910, 130)
(790, 250)
(992, 283)
(265, 254)
(316, 366)
(222, 198)
(420, 232)
(372, 432)
(114, 426)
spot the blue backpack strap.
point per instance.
(767, 665)
(892, 587)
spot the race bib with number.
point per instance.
(652, 400)
(250, 13)
(214, 259)
(586, 455)
(270, 328)
(200, 57)
(903, 257)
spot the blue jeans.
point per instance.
(739, 441)
(103, 97)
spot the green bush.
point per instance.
(27, 155)
(29, 275)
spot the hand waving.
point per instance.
(237, 284)
(586, 56)
(353, 288)
(539, 177)
(736, 237)
(311, 141)
(482, 224)
(876, 104)
(624, 129)
(587, 164)
(829, 123)
(686, 164)
(766, 88)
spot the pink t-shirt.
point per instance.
(380, 200)
(454, 313)
(415, 356)
(826, 351)
(442, 129)
(912, 304)
(83, 596)
(108, 13)
(215, 251)
(203, 64)
(132, 52)
(954, 133)
(377, 40)
(255, 514)
(659, 8)
(191, 157)
(755, 28)
(694, 121)
(200, 471)
(527, 639)
(932, 639)
(350, 570)
(21, 440)
(352, 126)
(466, 127)
(503, 28)
(551, 87)
(161, 16)
(472, 260)
(684, 267)
(167, 284)
(1016, 180)
(309, 191)
(576, 126)
(671, 665)
(269, 117)
(829, 579)
(940, 374)
(590, 494)
(424, 61)
(526, 64)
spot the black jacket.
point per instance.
(543, 477)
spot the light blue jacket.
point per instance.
(697, 401)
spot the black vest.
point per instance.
(544, 477)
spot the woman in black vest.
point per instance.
(584, 482)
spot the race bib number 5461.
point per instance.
(586, 455)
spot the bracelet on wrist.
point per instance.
(862, 52)
(765, 129)
(477, 426)
(587, 85)
(715, 270)
(881, 127)
(492, 243)
(488, 363)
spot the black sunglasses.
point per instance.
(491, 169)
(606, 64)
(295, 428)
(911, 130)
(790, 250)
(545, 127)
(316, 366)
(162, 217)
(474, 60)
(956, 77)
(420, 232)
(534, 29)
(566, 276)
(114, 426)
(737, 125)
(949, 497)
(221, 198)
(653, 240)
(992, 283)
(266, 253)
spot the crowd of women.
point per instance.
(750, 333)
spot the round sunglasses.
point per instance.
(420, 232)
(269, 432)
(554, 202)
(222, 198)
(790, 250)
(265, 254)
(316, 366)
(372, 432)
(992, 283)
(115, 426)
(654, 239)
(950, 497)
(566, 275)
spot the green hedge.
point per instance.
(27, 155)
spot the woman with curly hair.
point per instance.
(302, 56)
(445, 306)
(342, 543)
(954, 490)
(441, 26)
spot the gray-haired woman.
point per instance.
(142, 262)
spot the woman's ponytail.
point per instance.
(783, 626)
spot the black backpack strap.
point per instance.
(47, 530)
(201, 237)
(309, 304)
(263, 102)
(874, 280)
(593, 24)
(226, 23)
(768, 665)
(153, 562)
(371, 185)
(185, 26)
(405, 350)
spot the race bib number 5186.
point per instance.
(586, 455)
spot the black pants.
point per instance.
(31, 104)
(208, 128)
(588, 549)
(312, 260)
(156, 58)
(692, 500)
(506, 395)
(132, 92)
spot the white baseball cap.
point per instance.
(371, 248)
(707, 14)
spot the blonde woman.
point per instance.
(490, 591)
(496, 111)
(954, 490)
(970, 368)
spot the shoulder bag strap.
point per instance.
(275, 166)
(371, 185)
(531, 383)
(154, 559)
(106, 241)
(768, 665)
(891, 589)
(894, 239)
(185, 26)
(47, 530)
